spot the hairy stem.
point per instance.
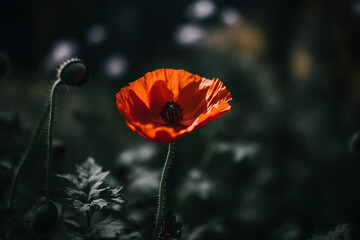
(161, 199)
(26, 156)
(50, 130)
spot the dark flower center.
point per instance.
(171, 112)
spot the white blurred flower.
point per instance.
(59, 52)
(190, 34)
(143, 180)
(240, 151)
(196, 184)
(213, 225)
(249, 210)
(230, 16)
(201, 9)
(96, 34)
(115, 66)
(136, 155)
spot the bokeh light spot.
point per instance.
(189, 34)
(63, 50)
(201, 9)
(230, 16)
(60, 51)
(115, 66)
(96, 34)
(138, 154)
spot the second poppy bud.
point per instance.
(73, 72)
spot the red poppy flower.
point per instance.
(167, 104)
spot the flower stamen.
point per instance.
(171, 112)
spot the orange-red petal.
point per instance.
(203, 100)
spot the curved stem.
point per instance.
(49, 137)
(162, 192)
(26, 155)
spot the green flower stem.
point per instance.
(56, 85)
(161, 199)
(26, 155)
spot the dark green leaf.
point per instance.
(342, 231)
(88, 192)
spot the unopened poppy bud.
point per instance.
(355, 144)
(4, 65)
(45, 218)
(73, 72)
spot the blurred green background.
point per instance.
(277, 166)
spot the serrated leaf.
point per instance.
(109, 229)
(100, 203)
(79, 205)
(116, 191)
(342, 231)
(87, 192)
(76, 194)
(95, 193)
(118, 200)
(88, 168)
(96, 185)
(99, 176)
(70, 177)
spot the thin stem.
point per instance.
(49, 137)
(26, 155)
(162, 192)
